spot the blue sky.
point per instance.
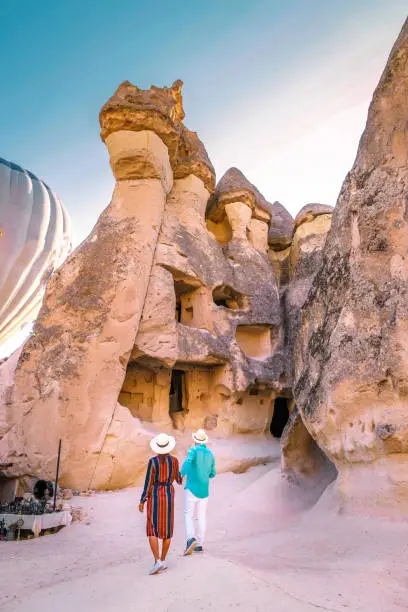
(278, 88)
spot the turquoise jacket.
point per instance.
(199, 467)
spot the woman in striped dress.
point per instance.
(162, 471)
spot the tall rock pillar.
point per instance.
(194, 181)
(71, 371)
(352, 353)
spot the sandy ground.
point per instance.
(260, 555)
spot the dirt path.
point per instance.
(257, 558)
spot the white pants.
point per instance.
(195, 508)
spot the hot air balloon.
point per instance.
(35, 238)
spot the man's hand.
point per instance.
(141, 506)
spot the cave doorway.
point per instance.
(280, 416)
(176, 397)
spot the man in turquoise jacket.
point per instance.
(199, 467)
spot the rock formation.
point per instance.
(167, 317)
(35, 238)
(351, 358)
(303, 462)
(279, 240)
(195, 304)
(305, 256)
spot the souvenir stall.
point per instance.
(33, 513)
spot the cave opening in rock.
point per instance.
(138, 391)
(8, 489)
(225, 296)
(176, 396)
(280, 416)
(178, 310)
(192, 304)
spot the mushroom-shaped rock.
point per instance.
(130, 109)
(247, 210)
(235, 187)
(281, 228)
(351, 358)
(35, 238)
(310, 212)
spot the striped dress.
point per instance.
(159, 493)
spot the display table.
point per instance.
(37, 522)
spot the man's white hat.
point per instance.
(200, 437)
(162, 444)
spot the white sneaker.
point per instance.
(156, 568)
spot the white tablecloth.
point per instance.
(37, 522)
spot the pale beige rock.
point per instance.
(221, 231)
(309, 237)
(187, 202)
(125, 451)
(255, 340)
(137, 155)
(258, 234)
(309, 212)
(239, 217)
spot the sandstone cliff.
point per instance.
(352, 352)
(167, 317)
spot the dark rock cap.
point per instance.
(281, 229)
(159, 109)
(192, 158)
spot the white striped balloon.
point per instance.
(35, 239)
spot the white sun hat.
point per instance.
(200, 437)
(162, 444)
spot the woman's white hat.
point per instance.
(200, 437)
(162, 444)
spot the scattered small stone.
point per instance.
(79, 514)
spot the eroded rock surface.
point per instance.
(193, 304)
(162, 319)
(352, 355)
(305, 259)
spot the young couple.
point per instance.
(162, 471)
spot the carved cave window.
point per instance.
(226, 296)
